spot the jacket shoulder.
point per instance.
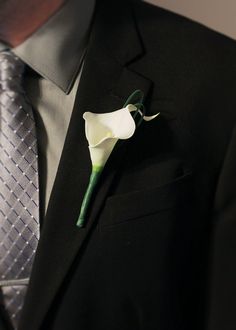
(157, 23)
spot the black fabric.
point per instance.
(160, 229)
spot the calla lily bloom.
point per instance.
(102, 132)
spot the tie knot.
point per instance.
(11, 71)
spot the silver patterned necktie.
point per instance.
(19, 189)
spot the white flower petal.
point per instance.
(104, 130)
(94, 129)
(100, 154)
(149, 118)
(132, 108)
(117, 124)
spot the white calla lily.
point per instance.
(102, 132)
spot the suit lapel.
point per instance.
(105, 84)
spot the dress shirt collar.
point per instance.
(56, 49)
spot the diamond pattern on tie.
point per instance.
(19, 188)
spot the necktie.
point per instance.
(19, 190)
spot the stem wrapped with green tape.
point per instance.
(94, 177)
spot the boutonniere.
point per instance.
(103, 131)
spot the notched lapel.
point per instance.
(105, 84)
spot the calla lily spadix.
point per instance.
(102, 132)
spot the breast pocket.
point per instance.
(122, 208)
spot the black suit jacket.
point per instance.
(143, 261)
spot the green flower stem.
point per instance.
(95, 174)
